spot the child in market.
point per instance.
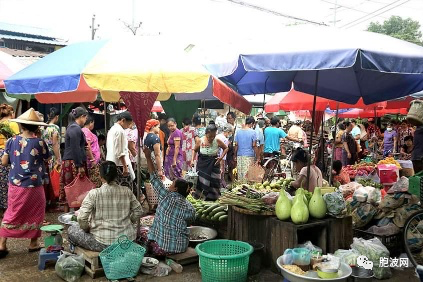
(339, 175)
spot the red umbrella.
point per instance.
(295, 100)
(360, 113)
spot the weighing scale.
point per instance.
(55, 237)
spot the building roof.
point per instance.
(29, 33)
(31, 39)
(24, 56)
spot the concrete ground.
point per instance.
(20, 265)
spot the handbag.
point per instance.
(55, 180)
(255, 173)
(77, 190)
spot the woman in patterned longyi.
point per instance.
(26, 154)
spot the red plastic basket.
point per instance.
(77, 190)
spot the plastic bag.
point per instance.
(348, 256)
(389, 229)
(271, 198)
(362, 215)
(309, 246)
(373, 249)
(335, 203)
(69, 267)
(392, 201)
(374, 195)
(400, 186)
(349, 188)
(55, 180)
(255, 173)
(362, 194)
(161, 270)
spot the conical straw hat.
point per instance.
(29, 117)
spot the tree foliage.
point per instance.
(404, 29)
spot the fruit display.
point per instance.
(274, 186)
(390, 160)
(283, 206)
(209, 211)
(317, 205)
(299, 210)
(360, 169)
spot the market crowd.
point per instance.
(220, 150)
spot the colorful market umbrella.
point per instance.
(8, 66)
(136, 64)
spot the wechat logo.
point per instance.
(364, 262)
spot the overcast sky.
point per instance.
(70, 19)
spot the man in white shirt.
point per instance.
(117, 149)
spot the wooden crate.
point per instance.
(287, 235)
(249, 228)
(340, 233)
(188, 257)
(93, 265)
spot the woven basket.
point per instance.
(122, 259)
(224, 260)
(77, 190)
(152, 197)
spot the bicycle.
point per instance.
(272, 167)
(413, 238)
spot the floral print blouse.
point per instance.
(26, 158)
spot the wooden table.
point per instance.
(329, 233)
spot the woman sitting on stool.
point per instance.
(106, 213)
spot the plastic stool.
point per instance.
(44, 256)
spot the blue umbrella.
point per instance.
(335, 64)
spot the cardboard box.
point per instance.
(388, 173)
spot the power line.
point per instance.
(248, 5)
(359, 19)
(379, 13)
(348, 8)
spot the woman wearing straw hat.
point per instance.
(26, 154)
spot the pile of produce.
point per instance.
(209, 211)
(275, 186)
(300, 207)
(360, 169)
(234, 199)
(390, 160)
(368, 182)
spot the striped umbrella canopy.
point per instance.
(8, 66)
(136, 64)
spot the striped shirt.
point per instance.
(113, 210)
(173, 213)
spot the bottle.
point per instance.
(174, 265)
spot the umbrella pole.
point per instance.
(139, 178)
(312, 129)
(334, 146)
(105, 118)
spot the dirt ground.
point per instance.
(20, 265)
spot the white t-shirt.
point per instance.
(225, 140)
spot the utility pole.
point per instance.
(93, 28)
